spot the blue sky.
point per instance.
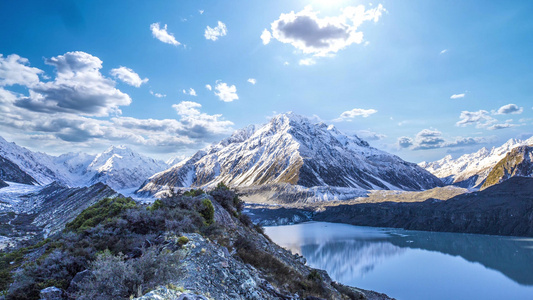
(420, 79)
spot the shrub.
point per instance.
(183, 240)
(227, 198)
(115, 277)
(194, 193)
(101, 212)
(208, 212)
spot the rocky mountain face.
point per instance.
(118, 167)
(502, 209)
(11, 172)
(46, 211)
(471, 170)
(518, 162)
(293, 150)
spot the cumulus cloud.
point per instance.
(370, 135)
(509, 109)
(321, 36)
(163, 35)
(356, 112)
(214, 33)
(225, 92)
(158, 95)
(266, 36)
(16, 70)
(252, 81)
(457, 96)
(78, 88)
(128, 76)
(405, 142)
(209, 87)
(306, 62)
(433, 139)
(479, 118)
(198, 123)
(61, 124)
(190, 92)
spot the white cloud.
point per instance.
(405, 142)
(444, 51)
(158, 95)
(307, 62)
(58, 114)
(252, 81)
(128, 76)
(190, 92)
(480, 118)
(162, 34)
(266, 36)
(225, 92)
(201, 123)
(78, 88)
(16, 70)
(501, 126)
(201, 11)
(214, 33)
(509, 109)
(457, 96)
(209, 87)
(356, 112)
(322, 36)
(370, 135)
(433, 139)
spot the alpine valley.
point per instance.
(289, 170)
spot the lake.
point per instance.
(415, 264)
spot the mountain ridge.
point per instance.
(118, 166)
(471, 170)
(290, 149)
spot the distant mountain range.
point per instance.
(293, 150)
(118, 167)
(471, 170)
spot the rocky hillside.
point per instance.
(47, 210)
(518, 162)
(502, 209)
(293, 150)
(195, 245)
(11, 172)
(471, 170)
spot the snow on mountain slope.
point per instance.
(118, 167)
(121, 168)
(290, 149)
(471, 170)
(40, 166)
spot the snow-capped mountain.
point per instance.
(118, 166)
(471, 170)
(40, 166)
(121, 168)
(517, 163)
(291, 149)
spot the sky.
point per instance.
(420, 79)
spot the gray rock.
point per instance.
(52, 293)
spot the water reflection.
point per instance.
(348, 259)
(350, 252)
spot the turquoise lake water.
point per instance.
(415, 264)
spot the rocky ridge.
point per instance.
(518, 162)
(292, 150)
(471, 170)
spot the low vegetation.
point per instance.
(121, 243)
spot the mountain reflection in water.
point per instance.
(351, 254)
